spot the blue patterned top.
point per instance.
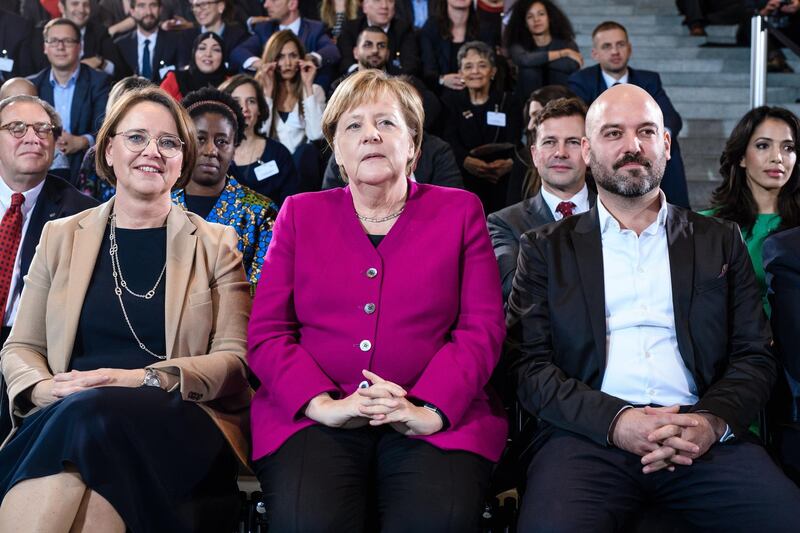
(252, 215)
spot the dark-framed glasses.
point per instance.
(168, 145)
(67, 42)
(43, 130)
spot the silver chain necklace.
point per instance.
(116, 272)
(382, 219)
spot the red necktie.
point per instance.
(10, 233)
(566, 209)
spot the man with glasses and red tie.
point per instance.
(78, 93)
(29, 130)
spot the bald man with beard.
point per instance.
(639, 341)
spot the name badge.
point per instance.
(6, 64)
(163, 70)
(266, 170)
(494, 118)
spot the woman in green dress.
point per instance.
(759, 189)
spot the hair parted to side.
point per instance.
(609, 25)
(560, 107)
(55, 118)
(61, 22)
(156, 95)
(480, 48)
(373, 85)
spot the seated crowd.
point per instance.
(174, 310)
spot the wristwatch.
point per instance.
(433, 408)
(151, 378)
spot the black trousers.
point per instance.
(368, 479)
(575, 484)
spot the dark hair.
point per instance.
(232, 83)
(445, 25)
(732, 199)
(132, 3)
(370, 29)
(517, 30)
(211, 100)
(544, 95)
(609, 25)
(61, 22)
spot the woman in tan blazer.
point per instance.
(125, 367)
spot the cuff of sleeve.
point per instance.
(317, 59)
(89, 138)
(610, 434)
(248, 62)
(728, 435)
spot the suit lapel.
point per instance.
(45, 89)
(181, 243)
(540, 211)
(48, 207)
(588, 246)
(130, 53)
(601, 82)
(680, 240)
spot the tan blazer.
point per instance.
(207, 308)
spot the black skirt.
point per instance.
(160, 461)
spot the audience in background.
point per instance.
(213, 15)
(760, 189)
(15, 38)
(211, 192)
(780, 15)
(261, 163)
(555, 148)
(78, 93)
(701, 13)
(206, 67)
(482, 126)
(334, 13)
(414, 12)
(97, 48)
(540, 40)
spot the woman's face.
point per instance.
(208, 56)
(770, 156)
(287, 61)
(147, 174)
(373, 142)
(215, 148)
(537, 20)
(477, 71)
(245, 95)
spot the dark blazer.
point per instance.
(781, 253)
(15, 34)
(232, 36)
(507, 226)
(588, 84)
(404, 10)
(97, 42)
(403, 49)
(557, 327)
(436, 165)
(88, 104)
(168, 52)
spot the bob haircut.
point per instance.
(373, 85)
(119, 111)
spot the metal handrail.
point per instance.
(758, 61)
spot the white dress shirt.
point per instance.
(643, 362)
(15, 290)
(297, 128)
(581, 201)
(140, 38)
(610, 80)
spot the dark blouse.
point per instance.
(276, 187)
(200, 205)
(103, 339)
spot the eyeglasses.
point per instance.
(136, 141)
(197, 6)
(67, 43)
(18, 129)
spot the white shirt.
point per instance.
(643, 362)
(295, 28)
(298, 129)
(581, 201)
(610, 80)
(15, 290)
(140, 38)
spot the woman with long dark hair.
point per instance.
(206, 69)
(540, 39)
(759, 189)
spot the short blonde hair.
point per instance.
(371, 85)
(120, 109)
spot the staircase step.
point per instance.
(703, 146)
(740, 95)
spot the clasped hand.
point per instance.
(66, 383)
(663, 437)
(382, 403)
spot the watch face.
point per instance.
(151, 379)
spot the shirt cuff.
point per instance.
(89, 138)
(249, 61)
(317, 59)
(610, 435)
(108, 67)
(728, 435)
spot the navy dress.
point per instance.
(277, 186)
(160, 461)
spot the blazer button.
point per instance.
(372, 272)
(369, 308)
(365, 346)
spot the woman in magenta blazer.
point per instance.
(374, 331)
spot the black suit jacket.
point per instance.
(403, 49)
(557, 326)
(781, 253)
(168, 52)
(507, 226)
(15, 34)
(97, 42)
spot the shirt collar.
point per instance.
(384, 28)
(203, 29)
(580, 199)
(141, 38)
(31, 195)
(610, 80)
(70, 81)
(608, 222)
(294, 26)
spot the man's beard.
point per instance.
(147, 23)
(633, 184)
(367, 63)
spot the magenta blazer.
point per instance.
(435, 326)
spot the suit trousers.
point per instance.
(574, 484)
(330, 480)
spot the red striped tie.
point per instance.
(10, 233)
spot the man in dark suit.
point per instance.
(612, 50)
(284, 15)
(415, 12)
(78, 93)
(24, 161)
(97, 48)
(556, 154)
(782, 265)
(210, 15)
(147, 50)
(403, 50)
(15, 54)
(638, 339)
